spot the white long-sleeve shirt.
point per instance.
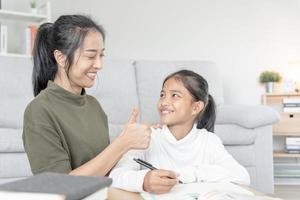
(198, 157)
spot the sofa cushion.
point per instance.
(16, 90)
(11, 140)
(231, 134)
(253, 178)
(115, 89)
(248, 116)
(150, 75)
(243, 154)
(14, 165)
(114, 130)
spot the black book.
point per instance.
(72, 187)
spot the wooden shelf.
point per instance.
(281, 94)
(280, 154)
(25, 19)
(286, 134)
(15, 15)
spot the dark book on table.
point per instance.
(72, 187)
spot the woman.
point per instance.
(66, 130)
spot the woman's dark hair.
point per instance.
(66, 34)
(198, 88)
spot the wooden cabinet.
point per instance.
(289, 124)
(286, 165)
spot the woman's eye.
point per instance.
(102, 55)
(161, 95)
(91, 57)
(175, 95)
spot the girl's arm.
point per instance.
(223, 167)
(127, 174)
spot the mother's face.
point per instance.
(87, 61)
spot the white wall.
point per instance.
(243, 37)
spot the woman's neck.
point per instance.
(65, 83)
(181, 130)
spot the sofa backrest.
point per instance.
(123, 84)
(115, 89)
(16, 90)
(150, 75)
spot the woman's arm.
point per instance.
(134, 136)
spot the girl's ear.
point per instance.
(197, 107)
(60, 58)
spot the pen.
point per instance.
(144, 163)
(148, 165)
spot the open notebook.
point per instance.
(205, 191)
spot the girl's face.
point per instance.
(87, 62)
(176, 106)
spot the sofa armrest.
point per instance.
(248, 116)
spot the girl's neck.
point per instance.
(181, 130)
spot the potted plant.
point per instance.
(33, 6)
(269, 78)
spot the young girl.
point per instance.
(185, 148)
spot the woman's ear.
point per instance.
(60, 58)
(197, 107)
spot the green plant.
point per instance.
(33, 3)
(269, 76)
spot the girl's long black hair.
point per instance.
(198, 88)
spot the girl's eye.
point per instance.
(102, 55)
(161, 95)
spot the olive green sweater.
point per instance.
(62, 130)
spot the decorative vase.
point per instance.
(269, 87)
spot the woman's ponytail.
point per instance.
(44, 64)
(65, 35)
(208, 117)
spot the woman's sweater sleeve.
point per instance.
(127, 174)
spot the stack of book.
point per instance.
(292, 144)
(291, 105)
(54, 186)
(286, 171)
(30, 35)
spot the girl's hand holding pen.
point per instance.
(159, 181)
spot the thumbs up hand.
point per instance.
(133, 116)
(136, 136)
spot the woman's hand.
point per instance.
(156, 126)
(134, 135)
(159, 181)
